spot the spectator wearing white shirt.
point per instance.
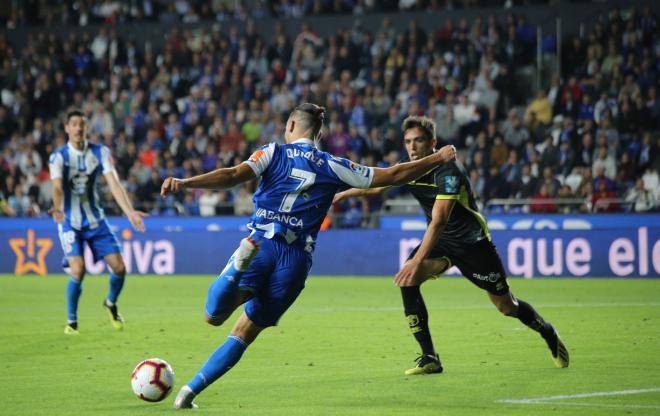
(515, 133)
(467, 116)
(243, 204)
(465, 112)
(641, 198)
(606, 162)
(100, 44)
(575, 179)
(652, 182)
(207, 203)
(486, 97)
(603, 105)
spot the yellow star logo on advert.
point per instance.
(25, 264)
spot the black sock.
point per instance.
(418, 318)
(528, 316)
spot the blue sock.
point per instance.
(73, 291)
(116, 284)
(222, 292)
(221, 361)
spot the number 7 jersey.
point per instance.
(298, 183)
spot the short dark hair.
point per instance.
(310, 116)
(425, 124)
(74, 113)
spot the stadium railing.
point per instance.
(573, 204)
(409, 206)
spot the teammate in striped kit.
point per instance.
(75, 169)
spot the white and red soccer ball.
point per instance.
(152, 380)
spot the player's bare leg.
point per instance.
(245, 329)
(413, 303)
(508, 305)
(433, 268)
(117, 277)
(76, 270)
(222, 360)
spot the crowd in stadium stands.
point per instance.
(208, 99)
(88, 12)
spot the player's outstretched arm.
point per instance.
(354, 192)
(217, 179)
(405, 172)
(119, 193)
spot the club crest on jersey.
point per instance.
(78, 183)
(451, 184)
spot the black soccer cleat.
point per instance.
(426, 364)
(557, 348)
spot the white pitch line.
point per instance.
(616, 406)
(550, 399)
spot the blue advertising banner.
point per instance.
(535, 222)
(530, 245)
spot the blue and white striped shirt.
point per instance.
(298, 183)
(80, 171)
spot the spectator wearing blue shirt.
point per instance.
(586, 108)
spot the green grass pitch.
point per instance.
(340, 350)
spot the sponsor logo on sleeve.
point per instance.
(451, 184)
(359, 169)
(256, 156)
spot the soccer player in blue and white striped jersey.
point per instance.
(75, 170)
(268, 270)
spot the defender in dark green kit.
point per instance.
(456, 234)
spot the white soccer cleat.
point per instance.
(184, 399)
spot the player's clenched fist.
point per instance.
(448, 153)
(58, 215)
(171, 186)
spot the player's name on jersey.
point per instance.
(293, 153)
(289, 220)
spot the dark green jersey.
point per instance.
(466, 225)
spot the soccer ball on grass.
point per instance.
(152, 380)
